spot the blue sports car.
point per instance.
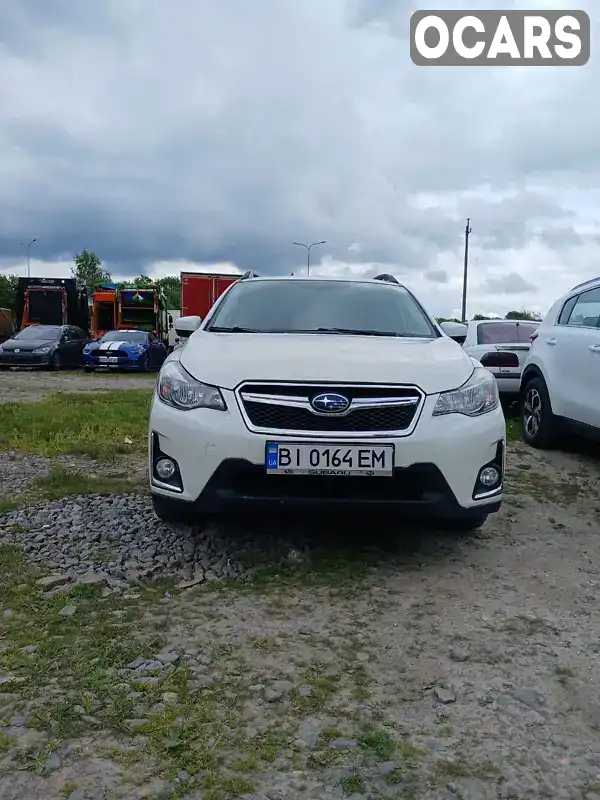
(137, 350)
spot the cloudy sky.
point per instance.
(170, 134)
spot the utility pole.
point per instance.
(466, 269)
(308, 249)
(29, 256)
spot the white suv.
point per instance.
(298, 392)
(560, 387)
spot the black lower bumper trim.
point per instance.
(417, 491)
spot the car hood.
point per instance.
(227, 359)
(115, 345)
(27, 346)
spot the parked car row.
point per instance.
(56, 346)
(552, 368)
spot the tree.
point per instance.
(524, 314)
(447, 319)
(141, 282)
(171, 286)
(87, 268)
(8, 291)
(478, 317)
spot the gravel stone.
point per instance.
(67, 611)
(52, 581)
(52, 764)
(444, 696)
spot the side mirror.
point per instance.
(185, 326)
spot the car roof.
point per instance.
(328, 278)
(589, 284)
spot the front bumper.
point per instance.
(124, 361)
(8, 359)
(221, 465)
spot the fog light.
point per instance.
(165, 468)
(489, 476)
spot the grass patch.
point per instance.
(72, 423)
(461, 768)
(513, 429)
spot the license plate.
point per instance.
(300, 458)
(108, 360)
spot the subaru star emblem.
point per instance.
(330, 403)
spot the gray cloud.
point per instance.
(512, 283)
(214, 132)
(437, 276)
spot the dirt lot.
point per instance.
(361, 660)
(27, 386)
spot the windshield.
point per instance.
(505, 332)
(305, 306)
(45, 332)
(138, 337)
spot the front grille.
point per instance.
(117, 353)
(299, 416)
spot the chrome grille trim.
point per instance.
(303, 402)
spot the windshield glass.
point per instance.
(138, 337)
(505, 332)
(45, 332)
(305, 306)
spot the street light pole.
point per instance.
(308, 249)
(29, 257)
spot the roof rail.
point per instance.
(249, 274)
(585, 283)
(387, 278)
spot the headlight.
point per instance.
(135, 348)
(177, 388)
(41, 350)
(475, 397)
(87, 349)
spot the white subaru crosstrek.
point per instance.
(298, 392)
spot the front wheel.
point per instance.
(54, 363)
(88, 369)
(538, 423)
(145, 364)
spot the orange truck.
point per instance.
(117, 307)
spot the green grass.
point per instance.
(513, 429)
(71, 423)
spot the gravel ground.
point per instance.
(300, 660)
(30, 385)
(460, 668)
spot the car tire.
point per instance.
(538, 423)
(54, 362)
(145, 364)
(169, 510)
(466, 524)
(88, 369)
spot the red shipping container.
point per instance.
(200, 290)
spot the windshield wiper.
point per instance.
(235, 329)
(358, 331)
